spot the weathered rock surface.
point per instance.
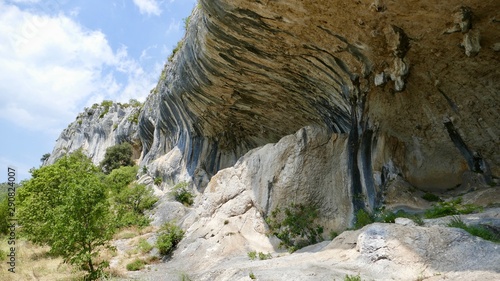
(98, 128)
(250, 73)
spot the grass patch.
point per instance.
(144, 246)
(476, 230)
(450, 208)
(137, 264)
(252, 255)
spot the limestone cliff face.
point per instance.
(407, 90)
(98, 128)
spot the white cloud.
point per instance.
(50, 67)
(149, 7)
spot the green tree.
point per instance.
(64, 205)
(45, 157)
(131, 204)
(4, 215)
(120, 178)
(117, 156)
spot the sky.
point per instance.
(59, 56)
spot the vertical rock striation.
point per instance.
(252, 72)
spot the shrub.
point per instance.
(131, 204)
(352, 278)
(117, 156)
(252, 255)
(295, 228)
(168, 237)
(431, 197)
(137, 264)
(263, 256)
(476, 230)
(453, 207)
(182, 194)
(120, 178)
(158, 180)
(252, 276)
(362, 218)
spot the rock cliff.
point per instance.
(97, 128)
(406, 91)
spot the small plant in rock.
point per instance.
(252, 276)
(137, 264)
(431, 197)
(169, 236)
(252, 255)
(295, 226)
(363, 218)
(263, 256)
(352, 277)
(450, 208)
(158, 180)
(482, 231)
(182, 194)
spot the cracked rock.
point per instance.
(471, 43)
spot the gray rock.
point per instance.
(472, 43)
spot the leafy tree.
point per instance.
(4, 215)
(120, 178)
(131, 203)
(64, 205)
(116, 157)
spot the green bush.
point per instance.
(263, 256)
(252, 276)
(352, 277)
(363, 218)
(182, 194)
(454, 207)
(431, 197)
(137, 264)
(476, 230)
(117, 156)
(168, 237)
(295, 228)
(120, 178)
(252, 255)
(4, 216)
(158, 180)
(131, 204)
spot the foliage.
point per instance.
(144, 246)
(431, 197)
(450, 208)
(117, 156)
(64, 205)
(295, 228)
(252, 255)
(158, 180)
(185, 277)
(182, 194)
(175, 50)
(106, 104)
(476, 230)
(120, 178)
(137, 264)
(45, 157)
(134, 103)
(4, 216)
(352, 277)
(362, 218)
(131, 204)
(263, 256)
(252, 276)
(134, 117)
(168, 237)
(186, 22)
(332, 235)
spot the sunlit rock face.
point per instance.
(96, 129)
(411, 88)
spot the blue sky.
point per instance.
(59, 56)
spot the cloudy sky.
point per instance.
(59, 56)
